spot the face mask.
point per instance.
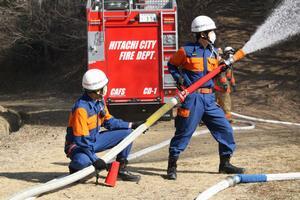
(101, 92)
(104, 92)
(212, 37)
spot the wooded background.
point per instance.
(45, 40)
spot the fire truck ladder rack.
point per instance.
(169, 44)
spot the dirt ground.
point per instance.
(34, 155)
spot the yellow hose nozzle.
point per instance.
(239, 55)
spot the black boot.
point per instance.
(124, 174)
(72, 170)
(226, 167)
(172, 166)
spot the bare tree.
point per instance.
(42, 27)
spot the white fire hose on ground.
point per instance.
(245, 178)
(264, 120)
(64, 181)
(150, 149)
(249, 178)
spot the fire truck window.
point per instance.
(116, 4)
(152, 4)
(95, 5)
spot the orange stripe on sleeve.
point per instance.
(79, 122)
(194, 64)
(179, 58)
(92, 122)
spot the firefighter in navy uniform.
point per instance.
(190, 63)
(84, 137)
(224, 84)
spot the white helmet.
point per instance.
(94, 79)
(202, 23)
(229, 50)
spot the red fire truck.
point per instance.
(132, 41)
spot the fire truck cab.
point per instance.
(132, 41)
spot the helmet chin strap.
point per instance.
(203, 36)
(101, 93)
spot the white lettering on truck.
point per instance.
(147, 44)
(134, 49)
(126, 55)
(118, 92)
(149, 90)
(123, 45)
(145, 55)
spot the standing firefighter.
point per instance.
(224, 85)
(84, 137)
(190, 63)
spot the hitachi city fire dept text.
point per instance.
(145, 49)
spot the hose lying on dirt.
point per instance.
(245, 178)
(264, 120)
(61, 182)
(66, 180)
(249, 178)
(251, 126)
(196, 133)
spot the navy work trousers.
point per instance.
(195, 108)
(105, 140)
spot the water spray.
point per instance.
(283, 23)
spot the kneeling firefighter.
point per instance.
(84, 136)
(190, 63)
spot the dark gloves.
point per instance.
(225, 66)
(100, 164)
(136, 124)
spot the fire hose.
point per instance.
(149, 149)
(249, 178)
(232, 180)
(264, 120)
(59, 183)
(245, 178)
